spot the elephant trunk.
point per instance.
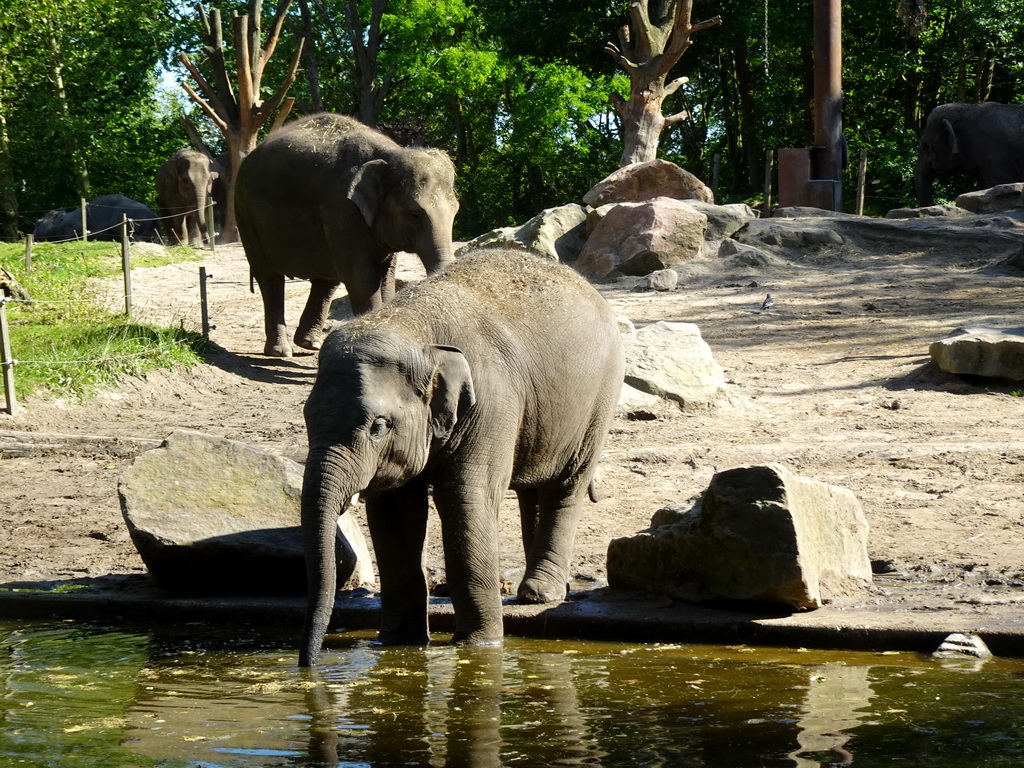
(326, 489)
(438, 251)
(924, 177)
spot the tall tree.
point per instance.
(241, 114)
(656, 37)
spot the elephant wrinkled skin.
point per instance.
(330, 200)
(503, 371)
(984, 141)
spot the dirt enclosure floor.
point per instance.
(834, 381)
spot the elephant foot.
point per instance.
(312, 341)
(398, 637)
(272, 349)
(536, 592)
(475, 638)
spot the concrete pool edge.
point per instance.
(597, 613)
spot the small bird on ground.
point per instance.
(768, 303)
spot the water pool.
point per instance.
(77, 694)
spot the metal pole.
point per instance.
(862, 178)
(715, 172)
(85, 223)
(6, 360)
(828, 87)
(29, 240)
(126, 265)
(203, 306)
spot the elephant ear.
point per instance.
(367, 188)
(954, 145)
(451, 389)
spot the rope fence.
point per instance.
(87, 233)
(8, 361)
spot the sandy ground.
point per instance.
(835, 382)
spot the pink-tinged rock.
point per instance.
(645, 181)
(640, 238)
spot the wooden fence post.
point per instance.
(85, 223)
(862, 177)
(768, 163)
(29, 240)
(6, 360)
(126, 265)
(715, 172)
(203, 306)
(211, 235)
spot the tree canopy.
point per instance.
(517, 93)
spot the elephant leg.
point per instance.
(547, 558)
(469, 530)
(528, 501)
(272, 292)
(398, 528)
(310, 333)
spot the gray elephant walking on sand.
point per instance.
(184, 184)
(503, 371)
(984, 141)
(330, 200)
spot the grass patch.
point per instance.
(68, 341)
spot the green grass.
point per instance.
(67, 341)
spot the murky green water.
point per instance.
(74, 695)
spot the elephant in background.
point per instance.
(329, 200)
(984, 141)
(184, 185)
(103, 219)
(502, 371)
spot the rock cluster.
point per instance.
(216, 516)
(759, 534)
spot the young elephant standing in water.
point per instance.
(502, 371)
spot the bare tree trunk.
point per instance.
(312, 74)
(649, 46)
(57, 80)
(241, 115)
(371, 87)
(748, 121)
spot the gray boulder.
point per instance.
(640, 238)
(760, 533)
(662, 280)
(993, 352)
(673, 362)
(646, 181)
(723, 220)
(997, 199)
(742, 255)
(215, 516)
(555, 233)
(928, 211)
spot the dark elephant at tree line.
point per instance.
(983, 141)
(103, 219)
(502, 371)
(332, 201)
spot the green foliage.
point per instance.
(106, 117)
(70, 341)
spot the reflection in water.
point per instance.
(836, 695)
(149, 701)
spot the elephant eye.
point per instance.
(380, 427)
